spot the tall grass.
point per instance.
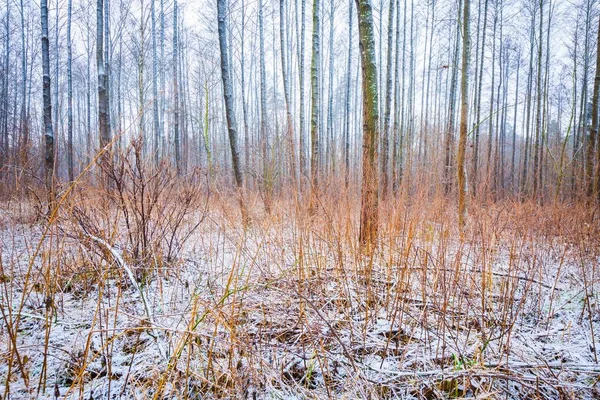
(156, 289)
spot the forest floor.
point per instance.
(289, 308)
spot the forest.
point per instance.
(299, 199)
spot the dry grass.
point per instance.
(100, 302)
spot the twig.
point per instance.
(119, 259)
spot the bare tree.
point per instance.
(302, 143)
(103, 127)
(163, 84)
(56, 104)
(176, 137)
(69, 94)
(526, 156)
(229, 106)
(286, 93)
(47, 99)
(141, 64)
(330, 131)
(369, 211)
(267, 177)
(316, 100)
(24, 128)
(385, 143)
(594, 185)
(478, 101)
(348, 91)
(524, 149)
(4, 145)
(397, 142)
(449, 141)
(464, 116)
(155, 120)
(538, 118)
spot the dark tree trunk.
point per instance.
(47, 99)
(594, 184)
(104, 132)
(229, 106)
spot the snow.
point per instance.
(232, 319)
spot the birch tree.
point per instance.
(264, 140)
(141, 60)
(47, 100)
(348, 91)
(24, 123)
(229, 106)
(176, 138)
(103, 128)
(385, 143)
(4, 145)
(478, 100)
(538, 121)
(155, 120)
(302, 152)
(286, 93)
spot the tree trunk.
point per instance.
(56, 71)
(397, 113)
(141, 85)
(104, 132)
(243, 87)
(316, 100)
(302, 152)
(410, 131)
(69, 94)
(426, 128)
(47, 99)
(88, 93)
(464, 118)
(422, 151)
(370, 185)
(478, 106)
(490, 164)
(24, 128)
(155, 120)
(176, 92)
(594, 184)
(107, 63)
(286, 93)
(402, 112)
(385, 144)
(229, 106)
(163, 87)
(450, 138)
(348, 91)
(528, 112)
(582, 126)
(331, 145)
(538, 116)
(513, 171)
(267, 173)
(5, 82)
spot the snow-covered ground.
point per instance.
(290, 312)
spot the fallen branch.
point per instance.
(119, 260)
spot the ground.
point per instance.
(288, 307)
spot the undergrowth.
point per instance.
(149, 286)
